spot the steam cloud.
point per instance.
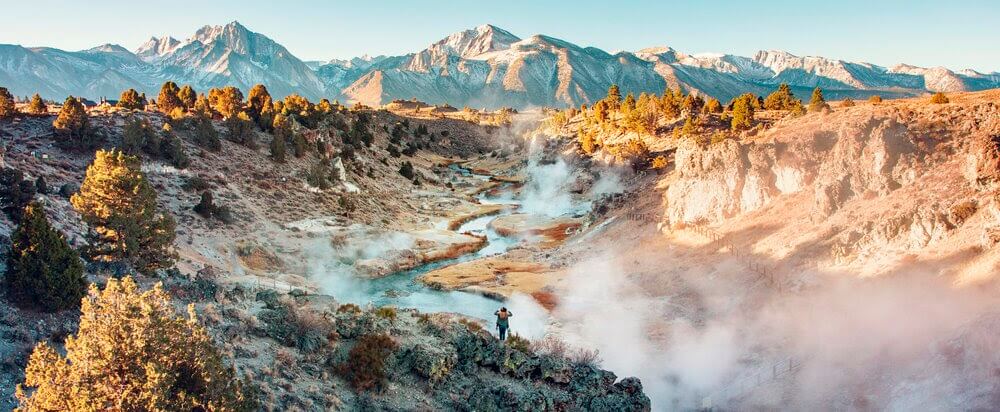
(910, 341)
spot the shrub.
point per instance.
(386, 312)
(133, 352)
(875, 99)
(349, 308)
(516, 342)
(963, 211)
(472, 326)
(550, 345)
(205, 134)
(848, 102)
(43, 271)
(939, 98)
(365, 367)
(406, 170)
(15, 193)
(241, 130)
(41, 186)
(659, 162)
(585, 357)
(196, 184)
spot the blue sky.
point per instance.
(958, 35)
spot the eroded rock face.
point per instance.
(837, 163)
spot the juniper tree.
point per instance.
(73, 125)
(205, 134)
(939, 98)
(37, 106)
(41, 187)
(241, 130)
(132, 352)
(118, 203)
(131, 100)
(848, 102)
(228, 101)
(187, 96)
(43, 271)
(168, 99)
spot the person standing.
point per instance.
(503, 323)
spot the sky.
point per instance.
(956, 34)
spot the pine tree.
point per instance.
(278, 149)
(817, 102)
(37, 106)
(743, 111)
(133, 353)
(939, 98)
(187, 96)
(118, 203)
(172, 149)
(168, 99)
(73, 125)
(614, 98)
(781, 99)
(43, 271)
(629, 104)
(131, 100)
(712, 105)
(7, 107)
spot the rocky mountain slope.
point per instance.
(843, 259)
(485, 66)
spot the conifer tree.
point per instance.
(817, 102)
(743, 111)
(712, 105)
(205, 134)
(258, 99)
(670, 104)
(172, 149)
(168, 99)
(43, 271)
(7, 107)
(131, 100)
(15, 193)
(37, 106)
(188, 96)
(781, 99)
(614, 98)
(73, 125)
(133, 353)
(629, 104)
(118, 203)
(136, 136)
(267, 114)
(241, 130)
(228, 101)
(202, 107)
(848, 102)
(939, 98)
(875, 99)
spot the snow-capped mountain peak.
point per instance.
(156, 47)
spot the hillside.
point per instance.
(283, 285)
(481, 67)
(840, 259)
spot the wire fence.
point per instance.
(748, 383)
(764, 274)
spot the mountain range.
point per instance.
(481, 67)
